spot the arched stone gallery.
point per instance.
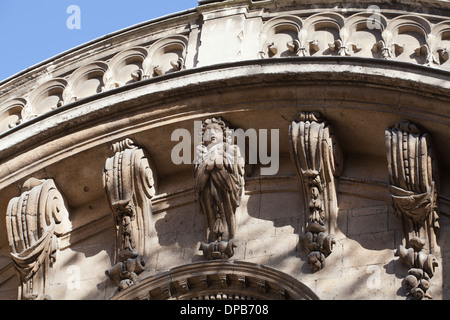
(242, 149)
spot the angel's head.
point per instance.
(214, 131)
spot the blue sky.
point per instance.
(34, 30)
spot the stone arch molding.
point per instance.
(219, 280)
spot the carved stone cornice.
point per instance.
(34, 221)
(413, 185)
(318, 161)
(56, 133)
(130, 186)
(401, 34)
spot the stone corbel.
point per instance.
(219, 186)
(413, 186)
(34, 222)
(130, 185)
(318, 161)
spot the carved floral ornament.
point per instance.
(413, 186)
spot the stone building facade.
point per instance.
(245, 149)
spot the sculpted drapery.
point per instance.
(413, 186)
(34, 222)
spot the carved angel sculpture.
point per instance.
(34, 221)
(219, 180)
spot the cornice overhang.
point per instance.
(434, 10)
(143, 105)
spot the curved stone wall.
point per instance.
(103, 122)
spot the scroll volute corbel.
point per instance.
(35, 220)
(129, 183)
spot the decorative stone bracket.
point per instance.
(413, 186)
(318, 161)
(219, 185)
(34, 221)
(130, 186)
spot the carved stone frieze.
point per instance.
(34, 221)
(344, 46)
(129, 184)
(219, 185)
(413, 186)
(318, 161)
(411, 37)
(387, 46)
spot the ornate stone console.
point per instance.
(318, 161)
(34, 222)
(129, 186)
(414, 187)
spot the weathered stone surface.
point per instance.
(256, 64)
